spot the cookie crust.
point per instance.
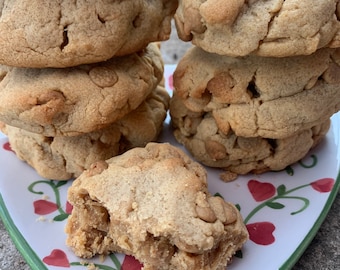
(63, 158)
(62, 34)
(260, 96)
(135, 199)
(202, 136)
(78, 100)
(273, 28)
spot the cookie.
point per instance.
(66, 33)
(202, 137)
(274, 28)
(77, 100)
(130, 204)
(261, 96)
(61, 158)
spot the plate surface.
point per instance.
(282, 210)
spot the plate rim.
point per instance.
(19, 241)
(301, 248)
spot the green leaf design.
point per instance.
(289, 170)
(281, 190)
(60, 183)
(217, 194)
(61, 217)
(239, 254)
(238, 207)
(275, 205)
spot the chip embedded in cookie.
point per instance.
(202, 136)
(153, 203)
(273, 28)
(65, 157)
(261, 96)
(78, 100)
(48, 33)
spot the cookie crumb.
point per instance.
(228, 176)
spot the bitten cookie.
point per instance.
(261, 96)
(48, 33)
(61, 158)
(267, 28)
(153, 203)
(206, 141)
(77, 100)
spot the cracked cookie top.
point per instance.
(275, 28)
(261, 96)
(208, 141)
(53, 33)
(64, 157)
(76, 100)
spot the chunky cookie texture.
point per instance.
(153, 203)
(203, 137)
(275, 28)
(61, 34)
(77, 100)
(256, 96)
(65, 157)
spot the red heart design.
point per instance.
(69, 207)
(261, 191)
(171, 82)
(261, 233)
(130, 263)
(7, 147)
(57, 258)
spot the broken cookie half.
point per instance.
(153, 203)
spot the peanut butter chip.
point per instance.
(97, 168)
(215, 150)
(224, 211)
(218, 11)
(332, 74)
(103, 76)
(206, 214)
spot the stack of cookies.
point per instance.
(258, 88)
(81, 81)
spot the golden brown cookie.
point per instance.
(77, 100)
(61, 158)
(261, 96)
(48, 33)
(153, 203)
(275, 28)
(208, 143)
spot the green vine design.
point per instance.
(281, 194)
(113, 258)
(55, 185)
(290, 171)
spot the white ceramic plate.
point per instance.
(282, 210)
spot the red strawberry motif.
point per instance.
(130, 263)
(57, 258)
(323, 185)
(261, 233)
(43, 207)
(261, 191)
